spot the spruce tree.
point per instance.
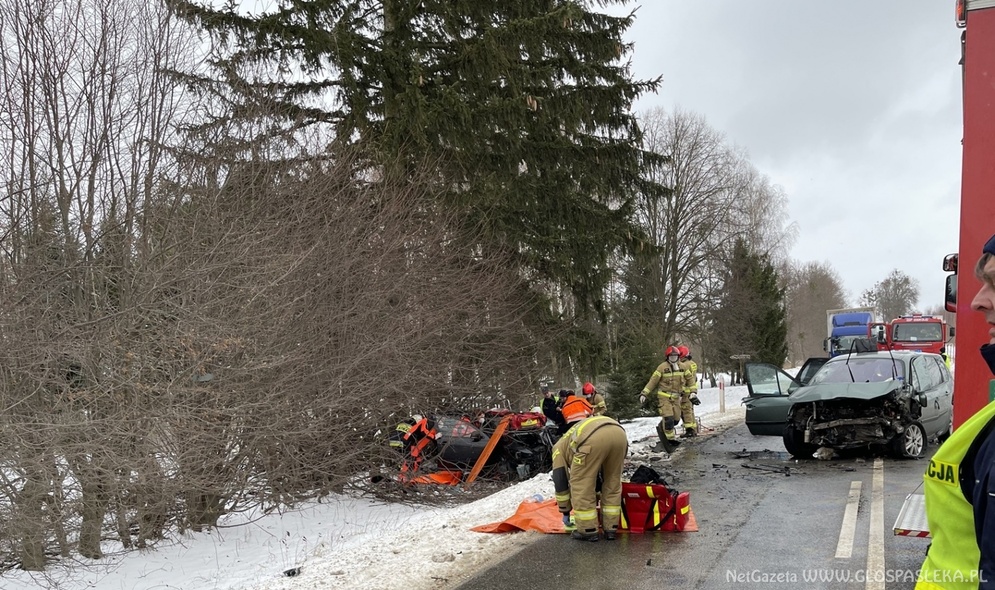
(751, 318)
(523, 107)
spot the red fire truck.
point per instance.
(924, 333)
(973, 386)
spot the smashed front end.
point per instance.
(855, 415)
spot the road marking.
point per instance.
(844, 548)
(875, 540)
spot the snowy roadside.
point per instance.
(342, 542)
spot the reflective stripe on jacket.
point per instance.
(669, 380)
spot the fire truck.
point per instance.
(924, 333)
(973, 386)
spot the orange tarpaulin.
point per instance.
(546, 518)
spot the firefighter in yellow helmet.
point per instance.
(959, 483)
(689, 397)
(593, 445)
(669, 381)
(596, 400)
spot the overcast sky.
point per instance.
(853, 107)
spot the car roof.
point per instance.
(882, 354)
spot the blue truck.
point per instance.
(843, 326)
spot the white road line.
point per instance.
(844, 548)
(875, 540)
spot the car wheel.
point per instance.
(794, 443)
(910, 444)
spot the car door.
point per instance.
(939, 397)
(767, 405)
(926, 380)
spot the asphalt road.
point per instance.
(765, 521)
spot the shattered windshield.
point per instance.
(860, 370)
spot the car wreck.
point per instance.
(446, 449)
(895, 401)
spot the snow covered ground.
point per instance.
(341, 542)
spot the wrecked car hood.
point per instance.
(830, 391)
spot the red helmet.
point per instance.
(684, 351)
(673, 350)
(588, 388)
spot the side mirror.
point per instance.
(950, 295)
(923, 401)
(952, 331)
(950, 263)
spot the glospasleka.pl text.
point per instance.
(758, 576)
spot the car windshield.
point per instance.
(448, 426)
(860, 370)
(917, 332)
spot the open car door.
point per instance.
(769, 387)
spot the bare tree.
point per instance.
(716, 197)
(894, 296)
(810, 289)
(189, 333)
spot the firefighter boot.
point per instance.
(659, 447)
(669, 444)
(609, 534)
(689, 433)
(586, 535)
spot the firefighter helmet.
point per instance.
(683, 350)
(673, 351)
(576, 408)
(588, 388)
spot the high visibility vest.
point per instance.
(953, 557)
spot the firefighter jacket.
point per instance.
(598, 403)
(670, 380)
(693, 367)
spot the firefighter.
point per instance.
(593, 446)
(669, 379)
(689, 397)
(959, 483)
(596, 400)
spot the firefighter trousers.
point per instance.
(603, 452)
(687, 413)
(670, 411)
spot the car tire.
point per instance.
(794, 443)
(910, 444)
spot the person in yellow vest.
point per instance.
(689, 397)
(669, 380)
(959, 483)
(946, 357)
(596, 400)
(593, 446)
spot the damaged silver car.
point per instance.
(897, 400)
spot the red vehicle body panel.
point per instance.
(977, 205)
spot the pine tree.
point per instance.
(523, 106)
(752, 317)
